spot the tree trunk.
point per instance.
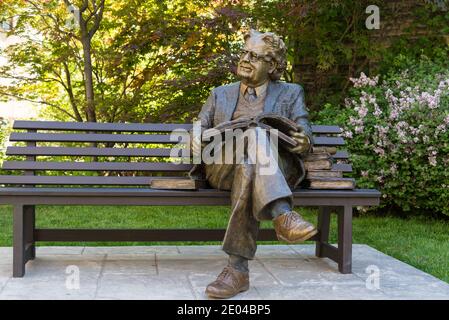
(89, 83)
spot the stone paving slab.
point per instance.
(183, 272)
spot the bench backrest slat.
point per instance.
(115, 166)
(108, 152)
(90, 151)
(129, 138)
(95, 166)
(92, 137)
(106, 127)
(131, 127)
(345, 167)
(77, 180)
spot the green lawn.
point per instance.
(420, 242)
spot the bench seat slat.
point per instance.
(130, 127)
(147, 196)
(95, 166)
(145, 192)
(128, 138)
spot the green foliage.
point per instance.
(326, 39)
(189, 45)
(151, 60)
(5, 130)
(158, 60)
(329, 43)
(398, 131)
(414, 43)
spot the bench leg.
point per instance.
(18, 241)
(23, 238)
(30, 225)
(324, 218)
(345, 239)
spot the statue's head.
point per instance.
(263, 58)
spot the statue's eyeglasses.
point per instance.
(254, 57)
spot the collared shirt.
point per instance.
(260, 90)
(246, 108)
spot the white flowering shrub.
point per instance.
(397, 131)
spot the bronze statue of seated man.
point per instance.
(255, 196)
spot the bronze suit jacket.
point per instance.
(283, 98)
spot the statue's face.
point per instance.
(254, 66)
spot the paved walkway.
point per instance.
(182, 272)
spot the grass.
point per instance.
(422, 243)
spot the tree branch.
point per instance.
(98, 18)
(70, 93)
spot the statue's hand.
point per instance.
(196, 145)
(303, 142)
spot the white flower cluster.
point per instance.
(364, 81)
(396, 121)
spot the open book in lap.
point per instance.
(267, 121)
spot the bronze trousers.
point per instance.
(252, 192)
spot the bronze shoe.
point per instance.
(292, 228)
(229, 283)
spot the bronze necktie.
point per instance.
(250, 94)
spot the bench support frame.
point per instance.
(343, 253)
(24, 248)
(26, 235)
(34, 187)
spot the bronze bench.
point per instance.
(26, 184)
